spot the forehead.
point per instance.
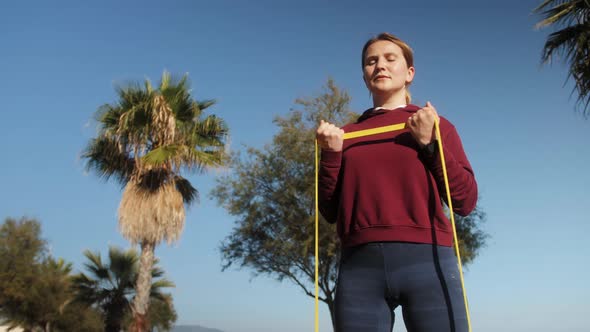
(383, 47)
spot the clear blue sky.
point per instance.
(476, 61)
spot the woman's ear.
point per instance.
(410, 75)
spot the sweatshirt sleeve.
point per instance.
(327, 184)
(462, 182)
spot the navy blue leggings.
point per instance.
(375, 278)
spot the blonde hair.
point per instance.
(406, 51)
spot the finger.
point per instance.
(323, 129)
(320, 128)
(328, 127)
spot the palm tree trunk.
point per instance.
(143, 287)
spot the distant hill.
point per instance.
(193, 328)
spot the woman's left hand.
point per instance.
(421, 125)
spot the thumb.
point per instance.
(409, 122)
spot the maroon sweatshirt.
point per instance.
(384, 187)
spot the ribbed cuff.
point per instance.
(429, 153)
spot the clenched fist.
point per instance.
(329, 136)
(421, 124)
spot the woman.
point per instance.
(384, 192)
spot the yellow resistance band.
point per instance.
(375, 131)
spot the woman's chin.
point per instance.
(386, 91)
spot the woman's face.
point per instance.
(385, 69)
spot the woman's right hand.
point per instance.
(330, 137)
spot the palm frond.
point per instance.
(210, 127)
(189, 193)
(148, 86)
(571, 40)
(206, 103)
(162, 155)
(157, 272)
(108, 116)
(96, 267)
(181, 105)
(104, 157)
(133, 116)
(131, 95)
(568, 41)
(165, 80)
(558, 11)
(162, 283)
(183, 155)
(123, 264)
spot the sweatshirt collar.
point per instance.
(383, 108)
(380, 110)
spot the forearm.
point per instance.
(328, 183)
(462, 183)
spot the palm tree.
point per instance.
(47, 296)
(35, 288)
(572, 40)
(145, 139)
(110, 286)
(53, 292)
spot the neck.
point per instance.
(391, 100)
